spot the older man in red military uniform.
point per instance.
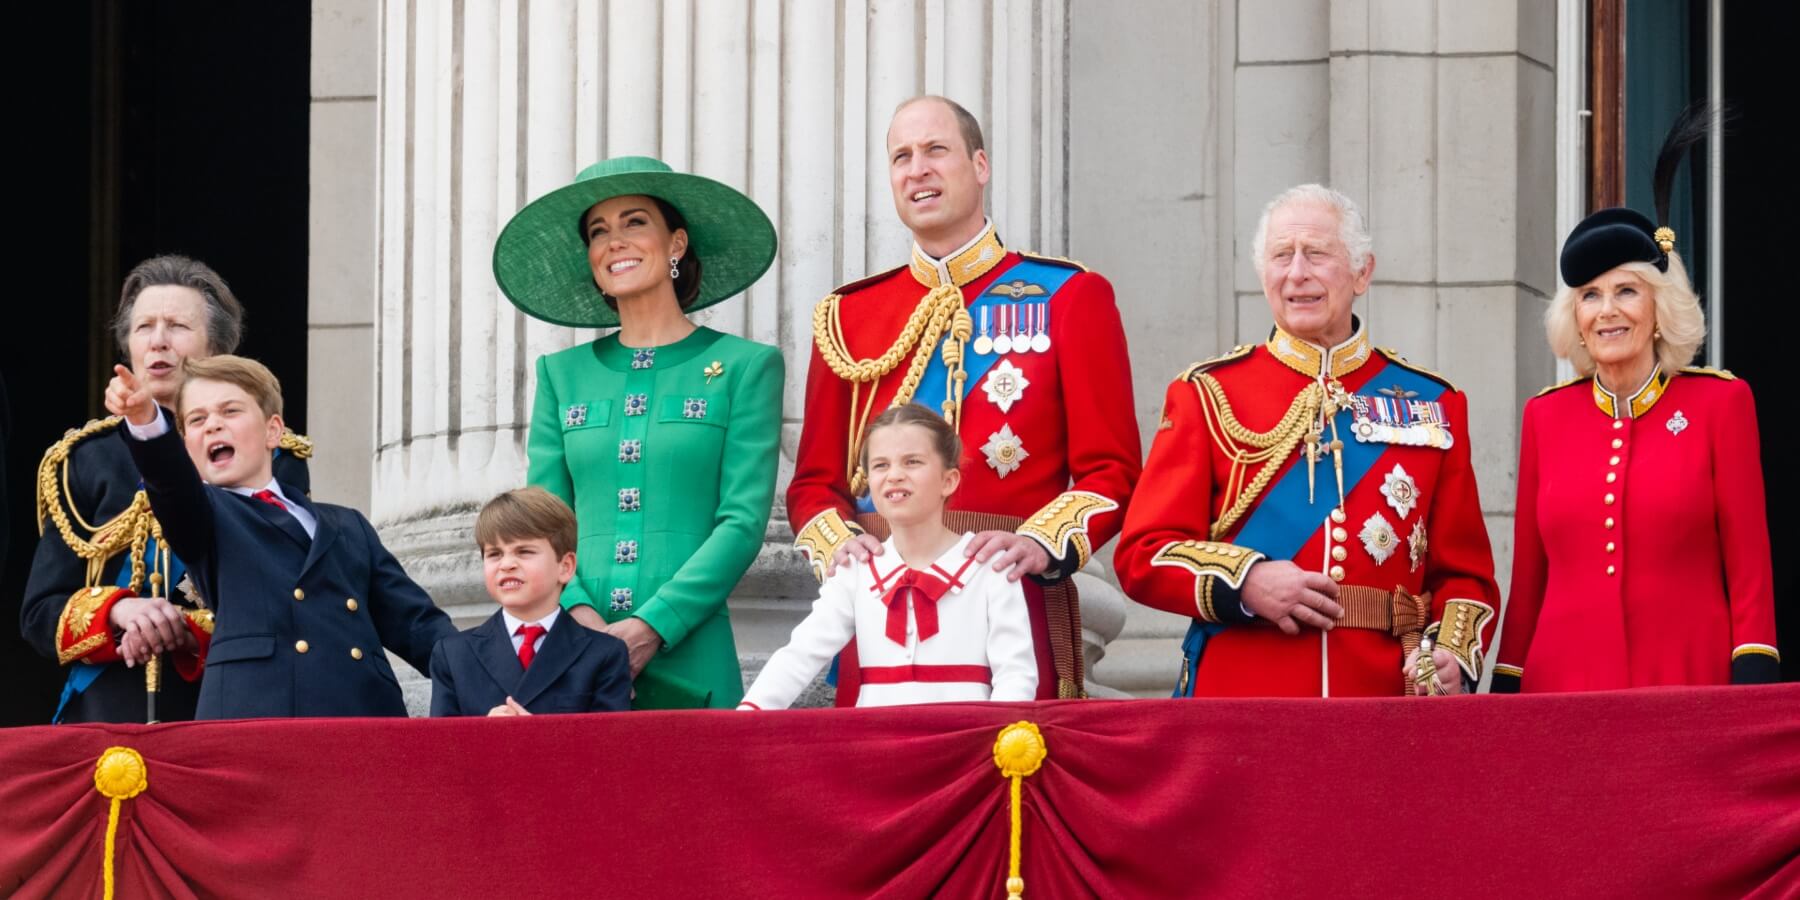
(1309, 501)
(1024, 354)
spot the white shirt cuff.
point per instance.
(157, 427)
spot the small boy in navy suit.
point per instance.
(528, 657)
(304, 596)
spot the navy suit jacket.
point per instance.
(576, 670)
(300, 622)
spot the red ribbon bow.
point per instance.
(924, 589)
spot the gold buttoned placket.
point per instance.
(299, 594)
(350, 604)
(301, 646)
(356, 653)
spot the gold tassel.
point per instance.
(1018, 752)
(119, 774)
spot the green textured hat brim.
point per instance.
(540, 260)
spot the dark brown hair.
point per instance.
(687, 284)
(525, 514)
(224, 314)
(943, 438)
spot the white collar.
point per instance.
(514, 623)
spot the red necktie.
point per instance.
(269, 497)
(528, 646)
(924, 589)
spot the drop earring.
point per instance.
(674, 267)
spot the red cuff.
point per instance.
(84, 631)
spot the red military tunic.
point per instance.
(1226, 486)
(1641, 547)
(1049, 432)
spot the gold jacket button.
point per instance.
(301, 647)
(299, 594)
(1337, 573)
(1617, 443)
(1338, 553)
(350, 604)
(1609, 523)
(1609, 499)
(1612, 477)
(1340, 535)
(1337, 515)
(1618, 423)
(1610, 570)
(356, 653)
(1610, 546)
(1613, 462)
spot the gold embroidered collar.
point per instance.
(1310, 359)
(967, 263)
(1640, 400)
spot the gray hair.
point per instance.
(1678, 317)
(1353, 231)
(224, 314)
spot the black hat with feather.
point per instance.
(1613, 237)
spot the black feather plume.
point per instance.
(1691, 127)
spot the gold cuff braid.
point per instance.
(1062, 525)
(1208, 560)
(820, 537)
(1459, 632)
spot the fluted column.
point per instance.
(486, 105)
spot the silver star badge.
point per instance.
(1005, 384)
(1677, 423)
(1004, 452)
(1400, 490)
(1378, 538)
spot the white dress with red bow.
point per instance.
(955, 631)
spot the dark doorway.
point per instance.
(144, 127)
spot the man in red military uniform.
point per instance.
(1024, 354)
(1309, 501)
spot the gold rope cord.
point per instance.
(941, 308)
(1019, 751)
(119, 775)
(56, 502)
(1246, 447)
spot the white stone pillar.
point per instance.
(487, 104)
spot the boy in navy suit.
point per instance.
(528, 657)
(304, 595)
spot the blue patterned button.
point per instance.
(643, 359)
(631, 451)
(625, 552)
(628, 499)
(694, 408)
(621, 600)
(575, 415)
(636, 404)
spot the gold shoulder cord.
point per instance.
(1247, 448)
(940, 309)
(127, 530)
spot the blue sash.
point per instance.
(933, 382)
(82, 675)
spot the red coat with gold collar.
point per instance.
(1641, 546)
(1227, 485)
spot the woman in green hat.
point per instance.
(662, 435)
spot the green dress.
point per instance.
(667, 456)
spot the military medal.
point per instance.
(1415, 544)
(1378, 538)
(1040, 342)
(1004, 451)
(1003, 317)
(1401, 491)
(1005, 384)
(984, 344)
(1400, 418)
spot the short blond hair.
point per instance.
(254, 377)
(1678, 317)
(525, 514)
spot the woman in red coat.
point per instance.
(1641, 545)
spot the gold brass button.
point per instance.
(1610, 570)
(1340, 535)
(1338, 553)
(301, 647)
(299, 594)
(350, 604)
(1612, 477)
(1613, 462)
(1618, 423)
(1617, 443)
(1609, 499)
(1610, 546)
(1337, 515)
(356, 653)
(1337, 573)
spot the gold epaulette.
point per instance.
(50, 480)
(1235, 353)
(1065, 262)
(861, 283)
(1395, 358)
(296, 443)
(1563, 384)
(1704, 370)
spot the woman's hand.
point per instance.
(149, 626)
(125, 397)
(641, 641)
(510, 708)
(587, 616)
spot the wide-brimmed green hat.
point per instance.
(541, 262)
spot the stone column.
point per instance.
(484, 106)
